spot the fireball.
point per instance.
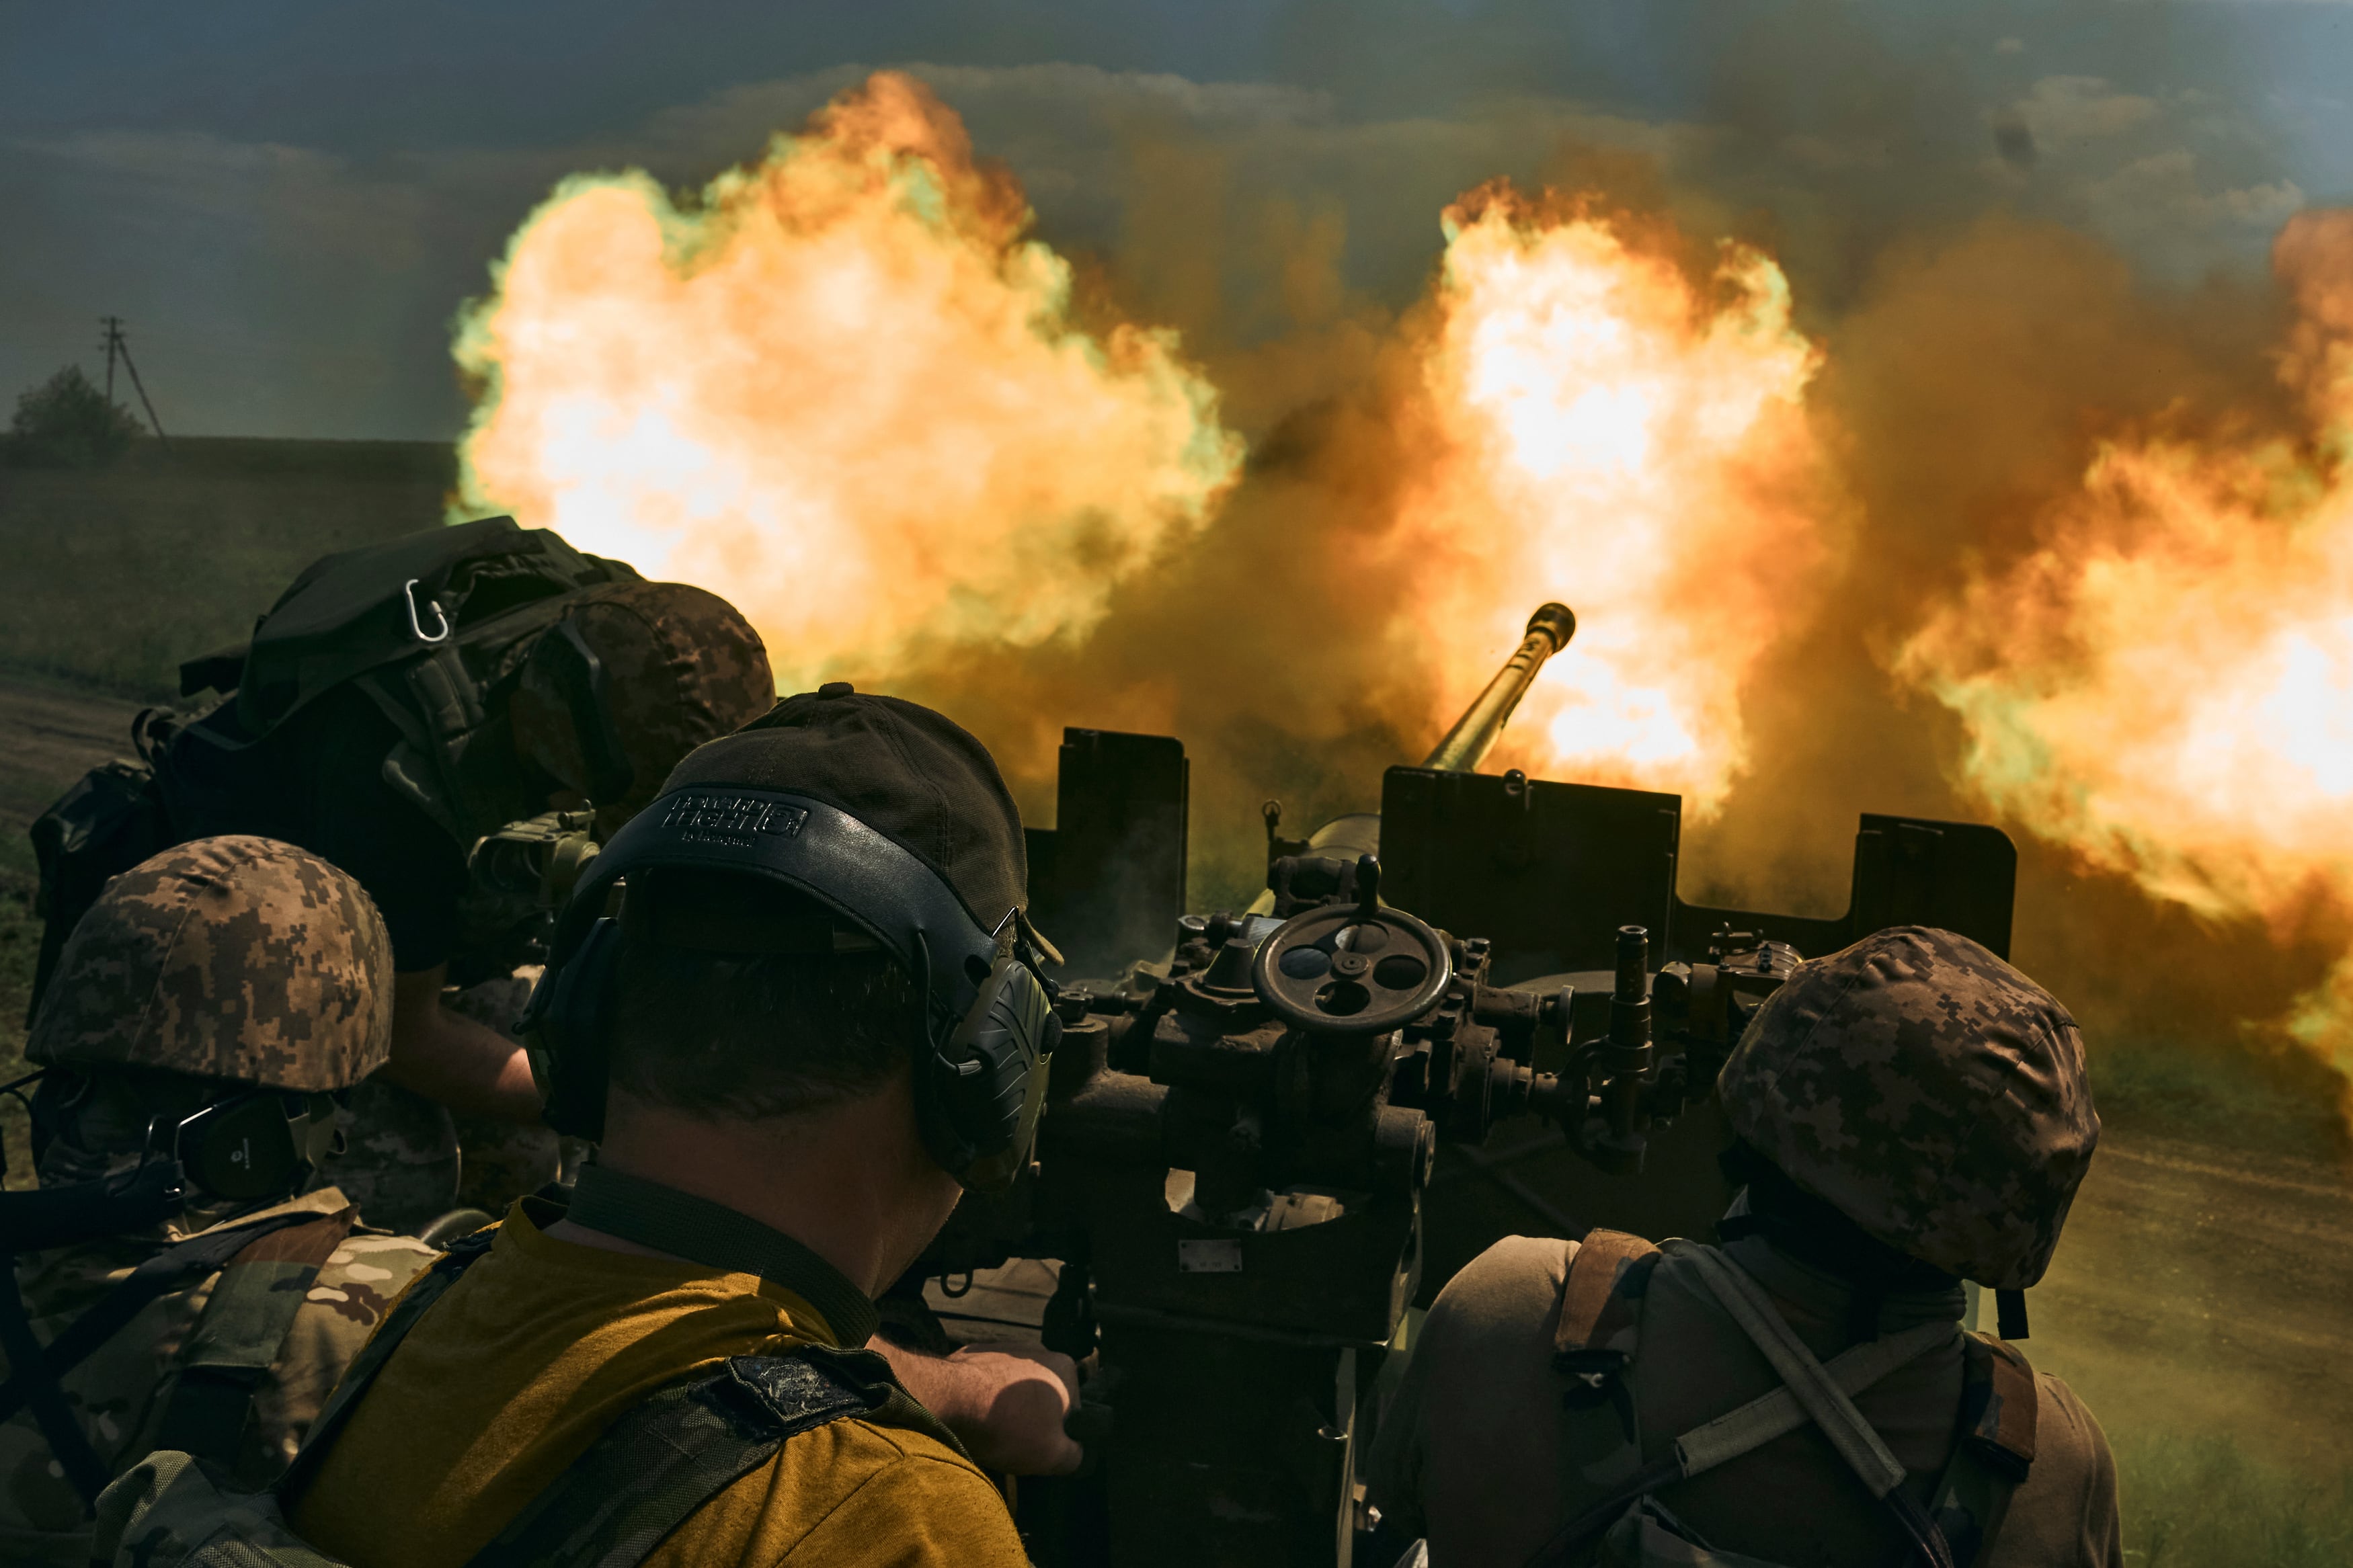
(842, 387)
(2166, 685)
(1607, 429)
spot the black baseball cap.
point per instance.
(910, 774)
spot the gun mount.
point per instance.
(1265, 1145)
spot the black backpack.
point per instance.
(433, 626)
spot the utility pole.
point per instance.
(116, 343)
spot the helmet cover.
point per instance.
(237, 958)
(1932, 1093)
(682, 667)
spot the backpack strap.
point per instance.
(236, 1340)
(1753, 1426)
(423, 1291)
(34, 1370)
(1994, 1451)
(1852, 1436)
(687, 1443)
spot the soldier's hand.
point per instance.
(1006, 1401)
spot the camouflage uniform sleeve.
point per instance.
(2066, 1511)
(348, 1299)
(115, 1395)
(1484, 1344)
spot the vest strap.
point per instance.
(1746, 1301)
(1587, 1320)
(1769, 1415)
(1754, 1425)
(685, 1445)
(1808, 1389)
(237, 1338)
(423, 1291)
(1994, 1452)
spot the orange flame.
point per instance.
(842, 389)
(2166, 683)
(1610, 432)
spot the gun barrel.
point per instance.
(1482, 725)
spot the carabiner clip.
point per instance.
(417, 623)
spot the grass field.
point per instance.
(2194, 1501)
(112, 579)
(20, 937)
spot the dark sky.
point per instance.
(287, 201)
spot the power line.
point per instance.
(116, 343)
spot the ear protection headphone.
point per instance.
(248, 1145)
(989, 1023)
(254, 1144)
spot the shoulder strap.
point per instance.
(423, 1291)
(1751, 1426)
(1593, 1310)
(1600, 1319)
(1746, 1301)
(1995, 1449)
(686, 1444)
(236, 1339)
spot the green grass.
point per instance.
(2203, 1501)
(20, 944)
(116, 576)
(113, 577)
(2285, 1102)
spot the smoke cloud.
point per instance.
(1884, 346)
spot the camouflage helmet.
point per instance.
(1927, 1090)
(679, 666)
(234, 958)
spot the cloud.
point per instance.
(296, 292)
(2061, 109)
(2161, 199)
(267, 287)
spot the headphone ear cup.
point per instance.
(570, 1034)
(938, 1090)
(989, 1080)
(242, 1148)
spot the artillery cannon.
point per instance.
(1474, 734)
(1240, 1176)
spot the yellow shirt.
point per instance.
(543, 1343)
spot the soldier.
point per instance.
(184, 1279)
(395, 707)
(1911, 1112)
(814, 1019)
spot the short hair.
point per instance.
(738, 998)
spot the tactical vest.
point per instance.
(673, 1452)
(265, 1267)
(433, 626)
(1595, 1340)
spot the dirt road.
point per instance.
(48, 736)
(2208, 1288)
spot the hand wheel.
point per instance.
(1344, 969)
